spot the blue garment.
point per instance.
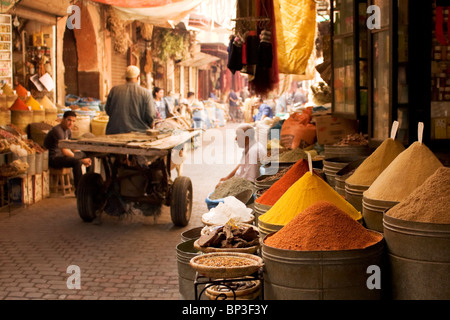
(233, 96)
(264, 110)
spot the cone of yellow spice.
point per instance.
(308, 190)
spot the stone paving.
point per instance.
(123, 258)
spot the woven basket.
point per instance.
(222, 271)
(246, 294)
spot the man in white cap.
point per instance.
(129, 106)
(254, 152)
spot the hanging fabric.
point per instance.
(295, 33)
(235, 55)
(266, 73)
(439, 24)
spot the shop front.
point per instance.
(388, 67)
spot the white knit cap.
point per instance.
(132, 72)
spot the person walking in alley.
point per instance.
(163, 109)
(233, 103)
(198, 112)
(61, 157)
(129, 106)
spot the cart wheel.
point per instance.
(181, 201)
(91, 196)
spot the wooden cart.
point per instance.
(135, 175)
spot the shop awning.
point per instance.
(199, 60)
(162, 13)
(52, 7)
(40, 10)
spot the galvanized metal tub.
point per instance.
(418, 254)
(191, 234)
(321, 275)
(373, 211)
(332, 165)
(186, 274)
(354, 194)
(259, 210)
(265, 228)
(332, 151)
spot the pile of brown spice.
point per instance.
(323, 227)
(277, 175)
(428, 203)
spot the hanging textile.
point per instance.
(266, 74)
(295, 33)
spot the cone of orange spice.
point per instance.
(321, 227)
(271, 196)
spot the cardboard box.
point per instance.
(16, 189)
(45, 184)
(331, 129)
(21, 190)
(37, 187)
(29, 187)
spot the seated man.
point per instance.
(254, 151)
(61, 157)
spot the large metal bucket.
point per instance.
(265, 229)
(31, 159)
(354, 195)
(190, 234)
(186, 274)
(373, 211)
(39, 159)
(259, 210)
(321, 275)
(346, 151)
(332, 165)
(419, 259)
(45, 160)
(261, 183)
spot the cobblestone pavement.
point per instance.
(129, 258)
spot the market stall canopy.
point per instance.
(44, 11)
(199, 60)
(162, 13)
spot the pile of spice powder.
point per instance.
(405, 173)
(276, 176)
(20, 105)
(271, 196)
(323, 227)
(428, 203)
(309, 189)
(372, 166)
(231, 187)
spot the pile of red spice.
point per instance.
(21, 91)
(323, 227)
(19, 105)
(271, 196)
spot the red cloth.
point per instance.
(439, 26)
